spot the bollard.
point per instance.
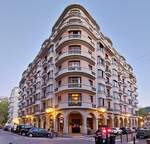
(121, 138)
(127, 137)
(134, 140)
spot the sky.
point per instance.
(25, 24)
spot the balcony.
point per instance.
(117, 111)
(107, 61)
(120, 81)
(75, 37)
(108, 84)
(76, 54)
(120, 91)
(44, 84)
(79, 104)
(108, 72)
(76, 87)
(75, 70)
(109, 97)
(115, 88)
(110, 109)
(44, 73)
(43, 97)
(44, 62)
(114, 66)
(36, 112)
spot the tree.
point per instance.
(3, 111)
(143, 112)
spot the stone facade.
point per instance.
(78, 81)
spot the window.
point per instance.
(107, 68)
(75, 12)
(90, 67)
(74, 49)
(101, 88)
(59, 83)
(74, 80)
(91, 98)
(59, 68)
(115, 84)
(75, 21)
(74, 99)
(100, 61)
(74, 34)
(115, 95)
(114, 61)
(49, 89)
(50, 74)
(50, 61)
(100, 47)
(108, 104)
(101, 102)
(108, 92)
(100, 73)
(59, 98)
(114, 72)
(51, 49)
(89, 38)
(107, 80)
(91, 82)
(72, 64)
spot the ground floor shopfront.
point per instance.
(79, 121)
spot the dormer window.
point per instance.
(75, 12)
(75, 21)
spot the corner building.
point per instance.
(78, 81)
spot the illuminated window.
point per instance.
(74, 99)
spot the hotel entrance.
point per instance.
(75, 123)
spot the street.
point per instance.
(8, 137)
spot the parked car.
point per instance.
(22, 129)
(124, 130)
(7, 127)
(116, 131)
(38, 132)
(143, 133)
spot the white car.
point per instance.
(116, 131)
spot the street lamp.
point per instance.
(102, 109)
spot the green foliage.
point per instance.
(3, 111)
(143, 112)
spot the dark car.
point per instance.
(124, 130)
(22, 129)
(38, 132)
(143, 133)
(25, 130)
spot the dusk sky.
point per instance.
(24, 25)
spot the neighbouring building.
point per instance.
(3, 98)
(78, 80)
(13, 106)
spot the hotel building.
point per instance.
(78, 80)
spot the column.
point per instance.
(112, 117)
(118, 121)
(47, 122)
(55, 123)
(65, 128)
(105, 119)
(84, 126)
(96, 123)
